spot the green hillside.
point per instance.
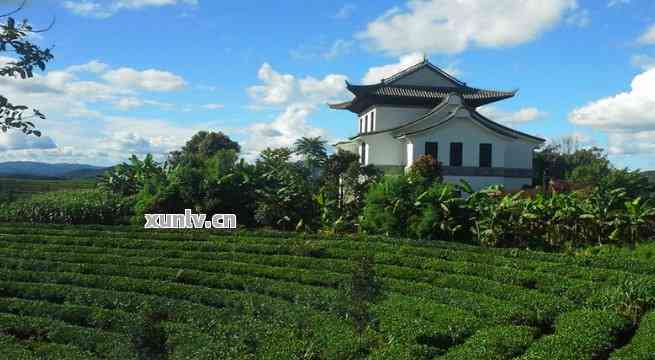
(117, 293)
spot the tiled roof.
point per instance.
(368, 95)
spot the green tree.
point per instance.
(203, 145)
(14, 38)
(312, 149)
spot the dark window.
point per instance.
(456, 154)
(372, 120)
(432, 149)
(485, 155)
(363, 156)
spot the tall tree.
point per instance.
(312, 149)
(203, 145)
(14, 38)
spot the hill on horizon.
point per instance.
(58, 170)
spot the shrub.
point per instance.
(425, 170)
(389, 206)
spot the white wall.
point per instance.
(424, 77)
(388, 117)
(470, 135)
(384, 149)
(520, 154)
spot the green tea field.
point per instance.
(17, 188)
(127, 293)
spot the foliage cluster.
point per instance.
(395, 206)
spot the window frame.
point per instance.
(456, 162)
(490, 160)
(436, 149)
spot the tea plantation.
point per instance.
(125, 293)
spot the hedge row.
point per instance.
(543, 281)
(538, 302)
(494, 343)
(110, 345)
(12, 348)
(642, 345)
(629, 265)
(580, 334)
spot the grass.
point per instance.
(120, 292)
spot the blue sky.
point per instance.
(141, 76)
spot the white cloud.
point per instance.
(644, 62)
(648, 37)
(627, 110)
(16, 140)
(93, 66)
(631, 143)
(128, 103)
(627, 117)
(277, 88)
(151, 79)
(345, 12)
(377, 73)
(75, 131)
(447, 26)
(284, 130)
(99, 10)
(520, 116)
(300, 98)
(281, 89)
(213, 106)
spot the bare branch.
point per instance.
(22, 5)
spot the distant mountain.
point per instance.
(32, 169)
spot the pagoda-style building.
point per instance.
(423, 110)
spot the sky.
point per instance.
(142, 76)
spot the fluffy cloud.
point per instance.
(75, 130)
(151, 79)
(377, 73)
(629, 110)
(284, 130)
(299, 99)
(627, 118)
(631, 143)
(93, 66)
(100, 10)
(277, 88)
(648, 37)
(447, 26)
(520, 116)
(281, 89)
(15, 140)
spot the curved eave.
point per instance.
(502, 128)
(346, 105)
